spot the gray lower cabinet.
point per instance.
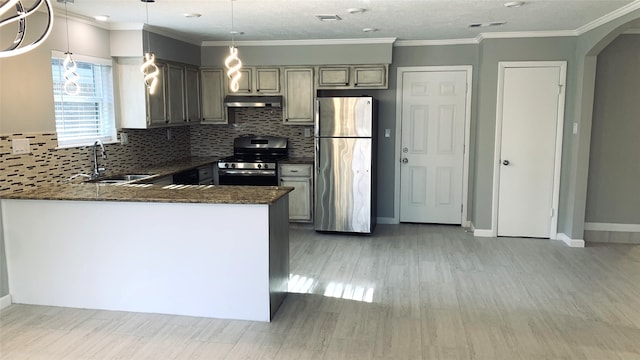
(299, 177)
(205, 174)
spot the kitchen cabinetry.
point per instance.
(258, 81)
(298, 97)
(205, 174)
(353, 77)
(212, 88)
(192, 93)
(300, 177)
(176, 93)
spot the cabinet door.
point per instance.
(176, 91)
(245, 82)
(370, 76)
(299, 198)
(298, 88)
(157, 103)
(192, 94)
(213, 111)
(333, 76)
(267, 81)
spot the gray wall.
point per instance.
(613, 190)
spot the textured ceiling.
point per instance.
(262, 20)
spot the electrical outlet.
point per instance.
(20, 146)
(307, 132)
(124, 138)
(387, 132)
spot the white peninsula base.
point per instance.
(212, 260)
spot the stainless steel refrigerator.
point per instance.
(345, 164)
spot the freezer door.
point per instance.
(343, 185)
(344, 117)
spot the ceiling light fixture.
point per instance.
(101, 17)
(192, 15)
(149, 67)
(71, 86)
(16, 47)
(233, 62)
(369, 29)
(514, 4)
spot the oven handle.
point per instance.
(247, 172)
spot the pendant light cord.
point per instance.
(148, 38)
(233, 42)
(66, 20)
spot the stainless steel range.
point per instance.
(254, 161)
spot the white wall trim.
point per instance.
(592, 226)
(303, 42)
(577, 243)
(526, 34)
(483, 233)
(502, 65)
(5, 301)
(387, 220)
(467, 130)
(469, 41)
(624, 10)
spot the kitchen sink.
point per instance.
(120, 179)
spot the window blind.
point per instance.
(82, 119)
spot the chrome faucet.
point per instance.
(97, 170)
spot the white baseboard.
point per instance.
(483, 233)
(612, 227)
(387, 220)
(466, 224)
(577, 243)
(5, 301)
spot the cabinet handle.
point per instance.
(257, 90)
(294, 170)
(286, 119)
(346, 84)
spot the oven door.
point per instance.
(247, 177)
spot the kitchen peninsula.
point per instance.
(210, 251)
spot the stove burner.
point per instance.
(255, 161)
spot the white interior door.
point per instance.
(528, 149)
(432, 150)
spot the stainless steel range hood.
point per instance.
(239, 101)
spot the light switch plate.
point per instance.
(307, 132)
(387, 132)
(20, 146)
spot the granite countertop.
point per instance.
(206, 194)
(170, 168)
(297, 160)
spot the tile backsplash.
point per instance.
(46, 164)
(217, 140)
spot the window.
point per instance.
(90, 115)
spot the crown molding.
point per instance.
(526, 34)
(470, 41)
(81, 19)
(303, 42)
(635, 5)
(632, 32)
(127, 26)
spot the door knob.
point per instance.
(405, 160)
(505, 162)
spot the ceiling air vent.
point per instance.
(329, 17)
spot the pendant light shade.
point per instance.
(18, 47)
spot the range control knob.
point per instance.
(260, 166)
(233, 165)
(266, 166)
(226, 165)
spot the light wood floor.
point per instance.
(435, 292)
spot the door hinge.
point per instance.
(560, 89)
(461, 207)
(551, 212)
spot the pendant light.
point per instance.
(71, 86)
(17, 47)
(149, 67)
(232, 62)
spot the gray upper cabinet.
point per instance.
(157, 114)
(192, 93)
(212, 91)
(267, 80)
(298, 97)
(370, 76)
(333, 76)
(352, 77)
(258, 81)
(176, 94)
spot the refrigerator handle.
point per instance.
(317, 161)
(316, 126)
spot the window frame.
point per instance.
(109, 125)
